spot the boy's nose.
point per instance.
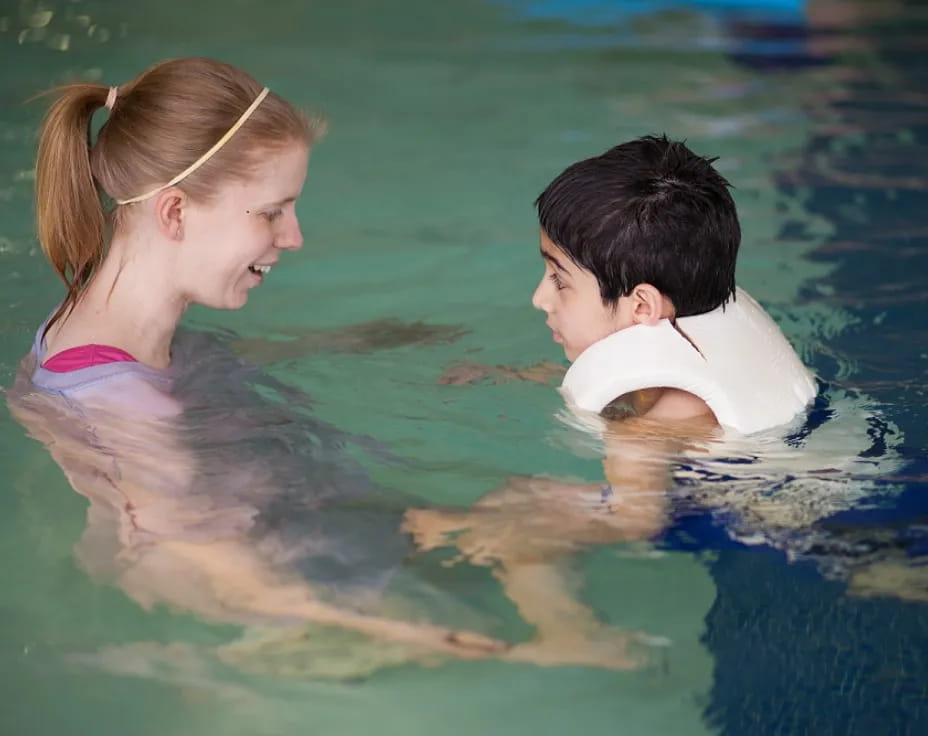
(539, 300)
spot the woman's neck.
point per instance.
(131, 303)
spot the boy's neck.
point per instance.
(668, 404)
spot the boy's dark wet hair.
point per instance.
(647, 211)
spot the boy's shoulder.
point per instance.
(735, 359)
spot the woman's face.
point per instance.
(233, 241)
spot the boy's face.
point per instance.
(569, 295)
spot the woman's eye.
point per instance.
(557, 281)
(272, 215)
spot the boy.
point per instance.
(639, 246)
(646, 235)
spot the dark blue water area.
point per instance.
(763, 33)
(795, 653)
(614, 12)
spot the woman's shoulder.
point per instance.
(130, 388)
(134, 393)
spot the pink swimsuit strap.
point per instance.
(84, 356)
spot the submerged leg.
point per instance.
(568, 632)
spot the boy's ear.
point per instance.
(649, 306)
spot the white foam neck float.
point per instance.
(734, 358)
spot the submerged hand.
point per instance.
(604, 648)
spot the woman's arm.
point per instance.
(121, 449)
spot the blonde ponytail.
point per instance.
(69, 210)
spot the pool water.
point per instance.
(446, 120)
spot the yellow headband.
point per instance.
(205, 157)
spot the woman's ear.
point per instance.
(170, 206)
(649, 306)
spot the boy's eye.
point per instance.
(557, 281)
(272, 215)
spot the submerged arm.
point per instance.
(150, 527)
(228, 581)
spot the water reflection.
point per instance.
(379, 334)
(781, 489)
(57, 25)
(244, 509)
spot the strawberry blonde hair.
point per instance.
(160, 123)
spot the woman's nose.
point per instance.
(291, 238)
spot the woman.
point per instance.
(184, 465)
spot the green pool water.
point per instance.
(445, 121)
